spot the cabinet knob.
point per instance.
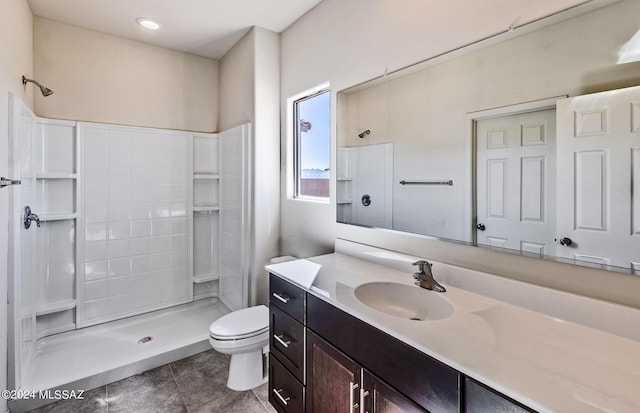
(480, 227)
(565, 242)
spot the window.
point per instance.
(312, 145)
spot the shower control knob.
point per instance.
(29, 217)
(480, 227)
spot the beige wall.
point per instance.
(249, 92)
(266, 173)
(16, 59)
(237, 79)
(102, 78)
(367, 36)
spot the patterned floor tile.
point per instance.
(196, 384)
(95, 401)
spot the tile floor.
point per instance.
(194, 384)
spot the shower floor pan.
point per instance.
(94, 356)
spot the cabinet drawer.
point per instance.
(287, 297)
(286, 341)
(286, 394)
(430, 383)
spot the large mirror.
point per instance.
(483, 145)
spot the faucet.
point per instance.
(424, 277)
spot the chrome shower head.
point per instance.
(45, 90)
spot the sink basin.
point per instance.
(404, 301)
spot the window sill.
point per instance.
(310, 199)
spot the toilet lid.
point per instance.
(241, 323)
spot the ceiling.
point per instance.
(203, 27)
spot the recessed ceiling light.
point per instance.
(148, 23)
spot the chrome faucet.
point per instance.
(424, 277)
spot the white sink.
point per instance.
(404, 301)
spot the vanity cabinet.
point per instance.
(323, 359)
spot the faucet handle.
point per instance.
(422, 265)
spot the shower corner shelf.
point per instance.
(56, 175)
(205, 208)
(205, 175)
(203, 278)
(58, 217)
(55, 330)
(56, 307)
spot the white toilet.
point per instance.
(245, 335)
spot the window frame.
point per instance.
(297, 172)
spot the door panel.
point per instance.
(635, 190)
(599, 177)
(515, 181)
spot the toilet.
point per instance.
(244, 334)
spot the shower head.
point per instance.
(45, 90)
(363, 134)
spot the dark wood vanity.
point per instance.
(325, 360)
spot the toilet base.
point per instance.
(247, 371)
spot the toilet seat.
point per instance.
(241, 324)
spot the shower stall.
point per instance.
(135, 243)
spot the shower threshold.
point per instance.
(94, 356)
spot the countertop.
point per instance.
(544, 362)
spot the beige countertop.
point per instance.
(545, 362)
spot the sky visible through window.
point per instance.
(314, 143)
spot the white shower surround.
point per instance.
(118, 206)
(133, 229)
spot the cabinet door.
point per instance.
(480, 399)
(378, 397)
(333, 379)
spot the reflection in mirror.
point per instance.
(490, 155)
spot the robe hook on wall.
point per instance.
(363, 134)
